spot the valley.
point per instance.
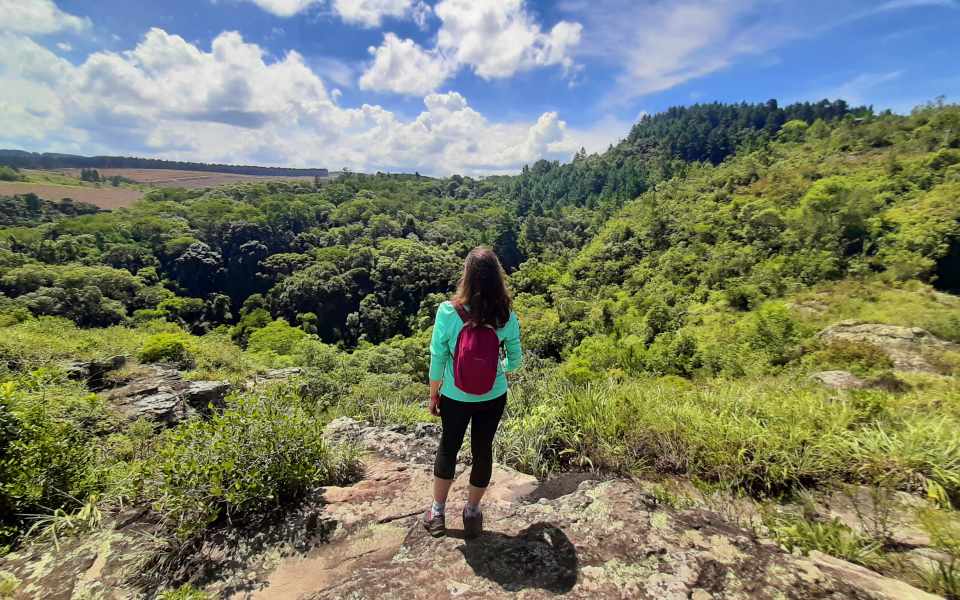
(742, 354)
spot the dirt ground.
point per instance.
(105, 197)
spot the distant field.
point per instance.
(65, 183)
(104, 197)
(184, 179)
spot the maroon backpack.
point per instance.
(476, 357)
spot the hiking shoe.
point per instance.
(434, 524)
(472, 526)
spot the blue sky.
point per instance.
(439, 86)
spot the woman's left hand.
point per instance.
(435, 405)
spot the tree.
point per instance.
(199, 270)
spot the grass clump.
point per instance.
(767, 436)
(8, 585)
(261, 451)
(797, 533)
(943, 526)
(184, 592)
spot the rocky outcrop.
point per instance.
(845, 380)
(94, 372)
(415, 444)
(161, 395)
(839, 380)
(272, 376)
(599, 539)
(907, 347)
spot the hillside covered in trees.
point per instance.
(675, 294)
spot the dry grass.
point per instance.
(185, 179)
(104, 197)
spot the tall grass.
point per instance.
(767, 436)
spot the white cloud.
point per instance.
(230, 103)
(333, 70)
(364, 13)
(403, 67)
(660, 45)
(370, 13)
(499, 37)
(496, 38)
(33, 17)
(64, 47)
(285, 8)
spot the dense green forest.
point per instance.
(669, 290)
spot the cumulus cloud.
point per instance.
(231, 103)
(403, 67)
(499, 37)
(285, 8)
(34, 17)
(364, 13)
(496, 38)
(370, 13)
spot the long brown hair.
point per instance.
(483, 287)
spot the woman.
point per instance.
(481, 305)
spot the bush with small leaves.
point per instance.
(176, 348)
(261, 451)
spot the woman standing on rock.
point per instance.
(468, 384)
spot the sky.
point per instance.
(438, 86)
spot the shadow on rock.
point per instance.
(540, 556)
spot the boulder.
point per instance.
(161, 395)
(342, 430)
(839, 380)
(419, 445)
(272, 376)
(871, 584)
(905, 346)
(94, 372)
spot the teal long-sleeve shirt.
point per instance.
(446, 330)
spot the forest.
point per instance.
(671, 291)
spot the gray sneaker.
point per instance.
(434, 524)
(472, 526)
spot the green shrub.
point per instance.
(9, 174)
(773, 331)
(176, 348)
(260, 451)
(278, 338)
(384, 399)
(47, 465)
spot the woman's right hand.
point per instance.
(435, 398)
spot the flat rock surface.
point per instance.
(905, 346)
(591, 539)
(161, 395)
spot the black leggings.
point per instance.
(455, 415)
